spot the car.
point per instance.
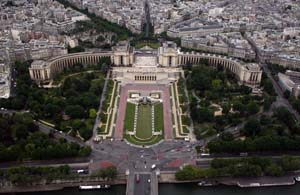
(137, 178)
(97, 139)
(153, 166)
(204, 154)
(244, 154)
(82, 171)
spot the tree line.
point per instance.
(241, 167)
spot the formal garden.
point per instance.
(144, 123)
(108, 114)
(182, 105)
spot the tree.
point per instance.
(75, 111)
(187, 173)
(109, 173)
(77, 124)
(268, 87)
(198, 133)
(238, 106)
(227, 136)
(92, 113)
(205, 115)
(247, 170)
(283, 114)
(286, 94)
(86, 132)
(289, 163)
(252, 108)
(75, 49)
(226, 108)
(252, 127)
(216, 85)
(274, 170)
(267, 103)
(85, 151)
(51, 110)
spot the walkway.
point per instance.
(176, 113)
(97, 121)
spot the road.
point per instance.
(58, 134)
(168, 155)
(281, 101)
(143, 185)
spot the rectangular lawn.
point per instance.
(159, 117)
(144, 122)
(129, 117)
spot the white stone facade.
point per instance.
(168, 58)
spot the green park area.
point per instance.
(144, 122)
(144, 134)
(70, 107)
(219, 103)
(129, 117)
(22, 140)
(218, 100)
(159, 117)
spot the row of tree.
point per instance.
(99, 24)
(109, 173)
(30, 175)
(241, 167)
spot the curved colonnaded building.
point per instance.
(146, 64)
